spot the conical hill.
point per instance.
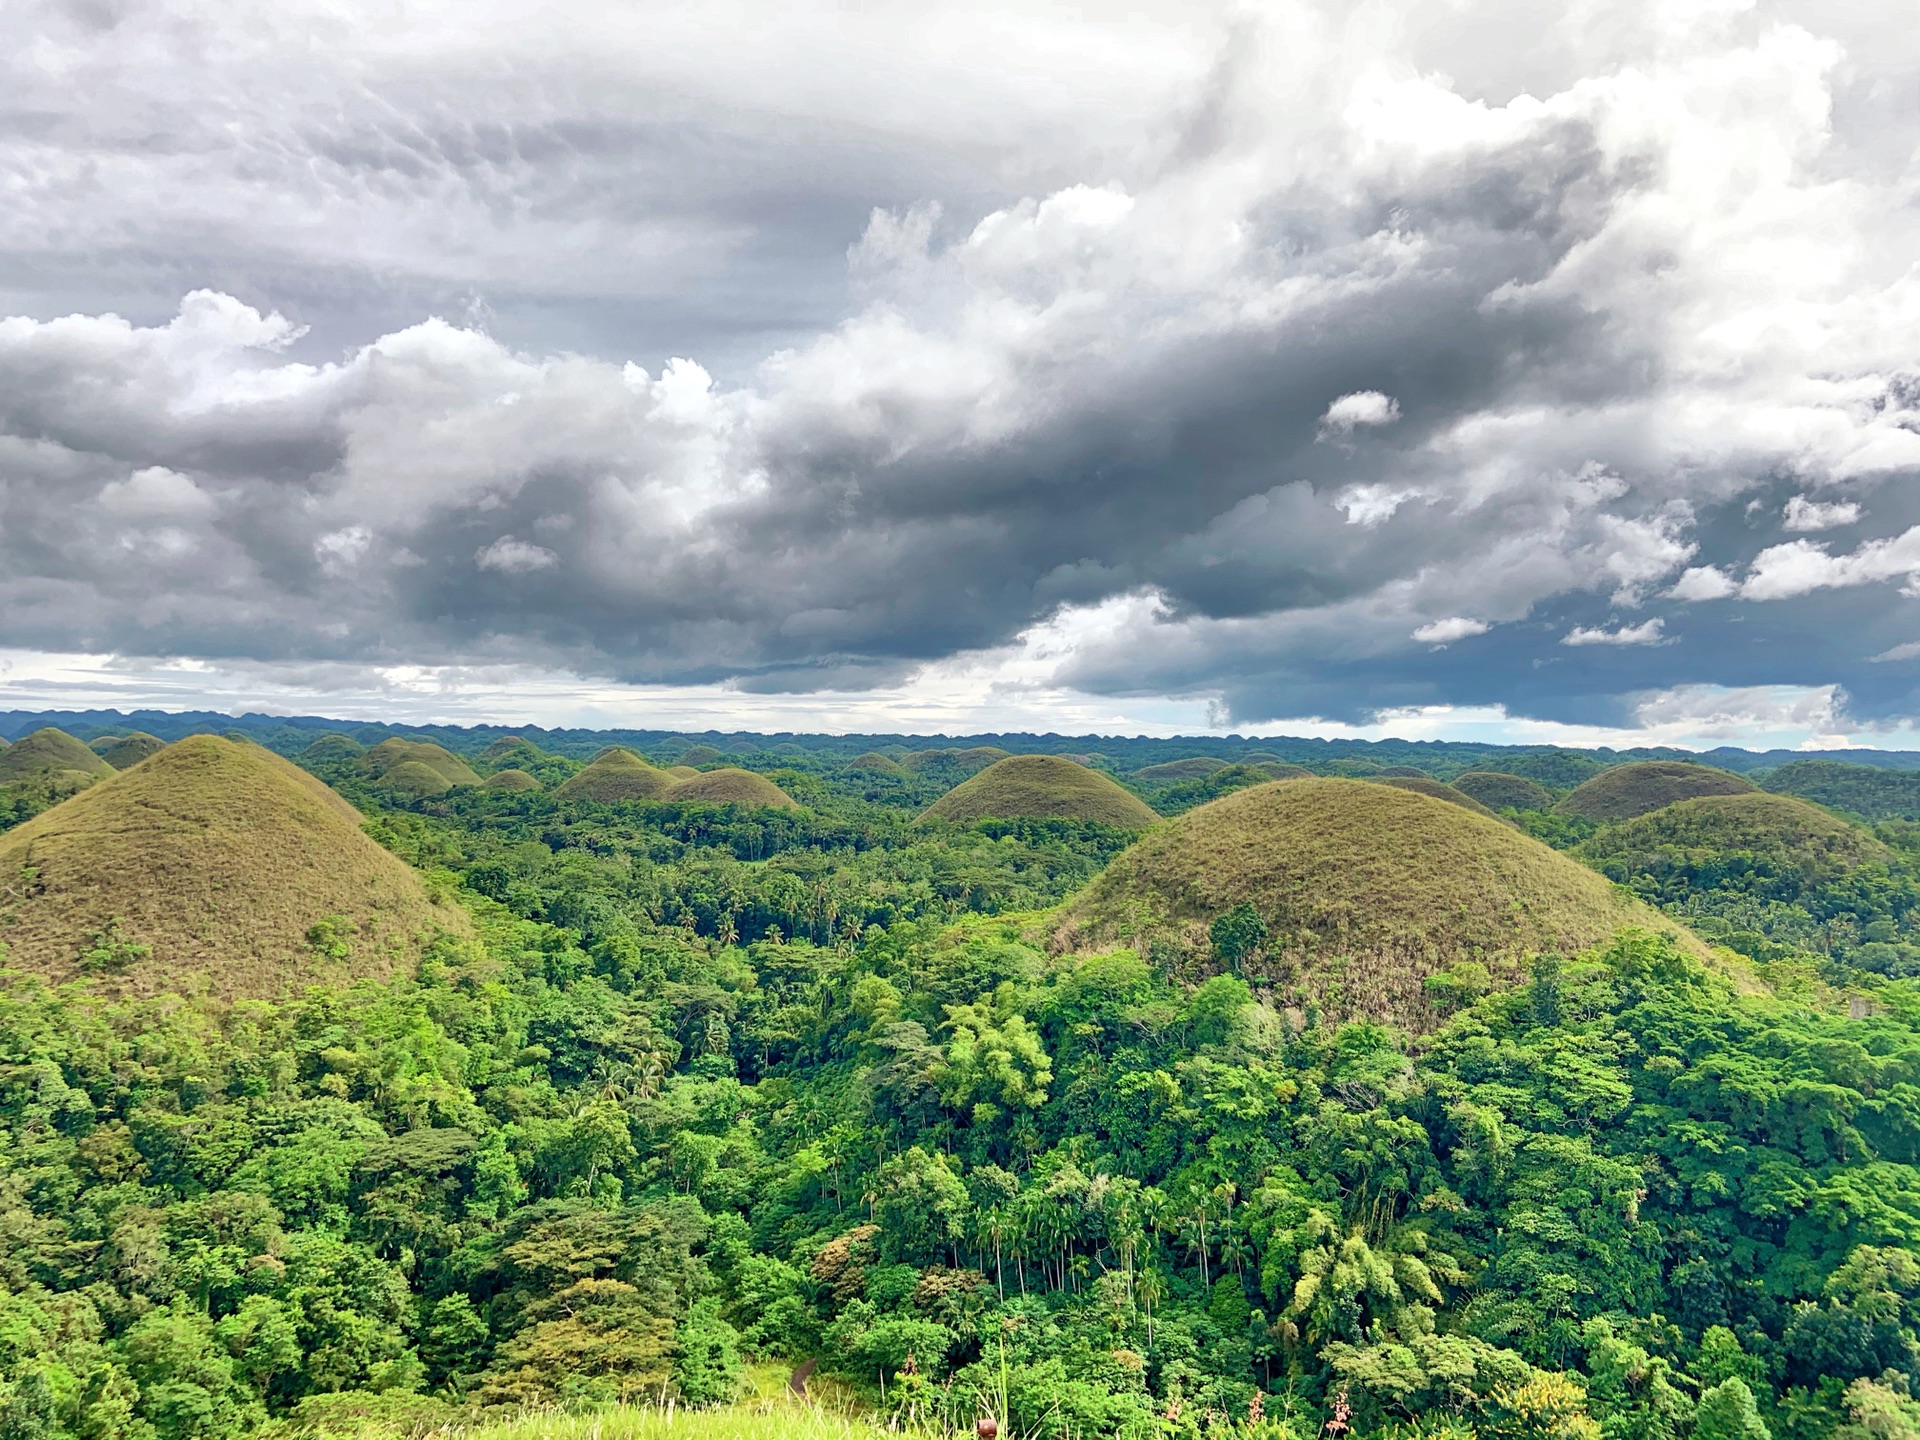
(127, 751)
(220, 860)
(1789, 841)
(1365, 890)
(1498, 790)
(1042, 787)
(46, 753)
(730, 786)
(1625, 791)
(616, 774)
(390, 755)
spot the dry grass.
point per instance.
(1042, 787)
(389, 755)
(697, 755)
(765, 1419)
(682, 772)
(1194, 767)
(1629, 790)
(220, 858)
(616, 774)
(873, 761)
(1497, 790)
(1438, 790)
(1366, 890)
(48, 752)
(731, 786)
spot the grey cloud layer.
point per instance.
(1597, 394)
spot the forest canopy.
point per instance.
(700, 1087)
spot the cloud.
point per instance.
(1648, 632)
(1363, 408)
(1906, 650)
(1801, 567)
(514, 557)
(1804, 514)
(1454, 627)
(786, 376)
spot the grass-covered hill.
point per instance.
(1863, 790)
(390, 756)
(1042, 787)
(511, 779)
(729, 785)
(616, 774)
(210, 865)
(123, 752)
(50, 753)
(1436, 789)
(1629, 790)
(1499, 791)
(1194, 767)
(1361, 891)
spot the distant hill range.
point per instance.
(1560, 767)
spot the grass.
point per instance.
(1499, 791)
(209, 866)
(1366, 890)
(512, 780)
(1042, 787)
(730, 786)
(1629, 790)
(1437, 789)
(415, 777)
(616, 774)
(332, 747)
(978, 757)
(1194, 767)
(126, 751)
(765, 1420)
(48, 752)
(1789, 833)
(872, 760)
(695, 756)
(389, 755)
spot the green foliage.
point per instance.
(713, 1091)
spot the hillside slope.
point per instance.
(730, 786)
(220, 859)
(50, 752)
(1042, 787)
(1647, 785)
(616, 774)
(1364, 889)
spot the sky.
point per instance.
(1440, 369)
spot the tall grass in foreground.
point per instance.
(735, 1422)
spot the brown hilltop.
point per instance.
(220, 859)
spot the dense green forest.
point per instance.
(710, 1085)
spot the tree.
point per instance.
(1727, 1412)
(1237, 934)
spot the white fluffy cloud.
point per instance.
(1578, 297)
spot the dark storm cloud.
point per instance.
(1384, 397)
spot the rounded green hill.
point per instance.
(1280, 770)
(1042, 787)
(389, 755)
(1194, 767)
(220, 859)
(1498, 790)
(616, 774)
(1438, 789)
(512, 780)
(730, 786)
(1646, 785)
(1365, 889)
(876, 762)
(414, 777)
(46, 753)
(510, 752)
(126, 751)
(698, 755)
(333, 747)
(1789, 841)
